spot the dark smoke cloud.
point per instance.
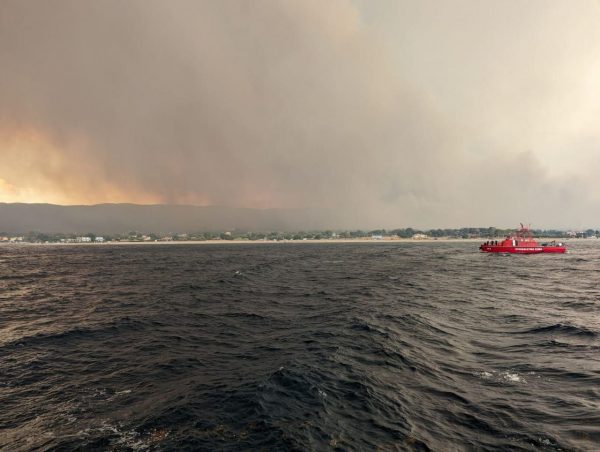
(263, 104)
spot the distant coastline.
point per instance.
(399, 241)
(247, 242)
(131, 222)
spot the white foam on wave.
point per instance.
(512, 377)
(484, 375)
(505, 376)
(130, 439)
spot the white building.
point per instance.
(99, 239)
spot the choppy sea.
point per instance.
(376, 347)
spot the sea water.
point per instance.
(399, 346)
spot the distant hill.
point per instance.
(117, 218)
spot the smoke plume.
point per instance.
(389, 114)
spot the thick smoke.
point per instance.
(388, 115)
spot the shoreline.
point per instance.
(270, 242)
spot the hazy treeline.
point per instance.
(489, 232)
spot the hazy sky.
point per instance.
(380, 113)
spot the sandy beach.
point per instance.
(251, 242)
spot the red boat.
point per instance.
(522, 243)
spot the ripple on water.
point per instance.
(396, 346)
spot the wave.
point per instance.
(45, 338)
(563, 329)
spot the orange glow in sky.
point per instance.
(37, 170)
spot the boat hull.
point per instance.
(522, 249)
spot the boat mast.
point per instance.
(524, 232)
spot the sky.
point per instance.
(375, 114)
